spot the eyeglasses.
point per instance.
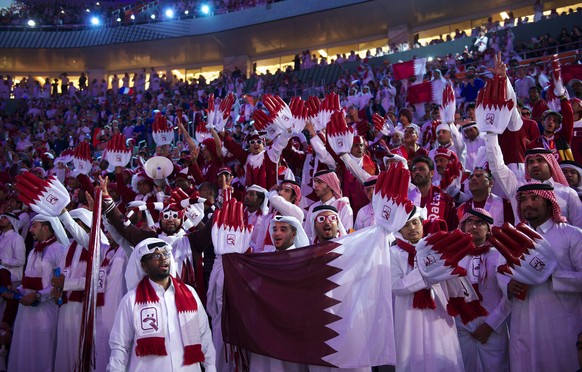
(258, 142)
(525, 113)
(170, 214)
(476, 223)
(330, 218)
(159, 256)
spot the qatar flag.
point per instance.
(328, 304)
(423, 92)
(405, 70)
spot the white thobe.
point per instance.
(545, 326)
(122, 340)
(426, 340)
(13, 254)
(35, 328)
(494, 354)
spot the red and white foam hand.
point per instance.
(262, 122)
(229, 233)
(530, 258)
(161, 133)
(390, 201)
(118, 155)
(559, 89)
(300, 113)
(201, 133)
(48, 197)
(279, 112)
(451, 179)
(339, 136)
(382, 125)
(65, 157)
(313, 105)
(448, 108)
(82, 159)
(438, 255)
(327, 107)
(494, 106)
(218, 115)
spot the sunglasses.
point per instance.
(258, 142)
(329, 218)
(525, 113)
(159, 256)
(171, 214)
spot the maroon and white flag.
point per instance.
(405, 70)
(328, 304)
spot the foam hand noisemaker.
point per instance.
(48, 197)
(495, 103)
(390, 201)
(229, 233)
(340, 137)
(82, 159)
(438, 255)
(162, 134)
(218, 116)
(118, 155)
(329, 105)
(530, 259)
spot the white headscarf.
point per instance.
(134, 272)
(264, 207)
(301, 239)
(86, 216)
(14, 221)
(57, 226)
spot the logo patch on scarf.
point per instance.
(149, 319)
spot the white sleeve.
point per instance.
(205, 336)
(404, 283)
(322, 154)
(346, 214)
(506, 179)
(18, 255)
(76, 231)
(570, 280)
(354, 168)
(122, 334)
(286, 208)
(276, 149)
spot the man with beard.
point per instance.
(173, 331)
(326, 224)
(480, 185)
(573, 173)
(438, 204)
(187, 247)
(538, 341)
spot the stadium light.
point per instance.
(132, 17)
(31, 23)
(504, 15)
(118, 19)
(95, 21)
(205, 9)
(186, 12)
(430, 59)
(169, 13)
(153, 16)
(87, 10)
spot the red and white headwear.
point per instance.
(557, 174)
(545, 191)
(359, 140)
(292, 185)
(341, 230)
(443, 126)
(479, 213)
(210, 145)
(445, 152)
(172, 211)
(329, 177)
(184, 175)
(138, 177)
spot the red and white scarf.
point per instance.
(150, 330)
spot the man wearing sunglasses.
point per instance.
(161, 323)
(326, 224)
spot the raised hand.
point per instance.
(381, 125)
(229, 233)
(82, 159)
(160, 132)
(530, 259)
(451, 179)
(300, 113)
(117, 153)
(327, 107)
(218, 116)
(202, 132)
(448, 108)
(279, 112)
(494, 106)
(390, 201)
(339, 136)
(48, 197)
(438, 255)
(556, 89)
(263, 122)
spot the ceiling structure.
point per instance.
(285, 28)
